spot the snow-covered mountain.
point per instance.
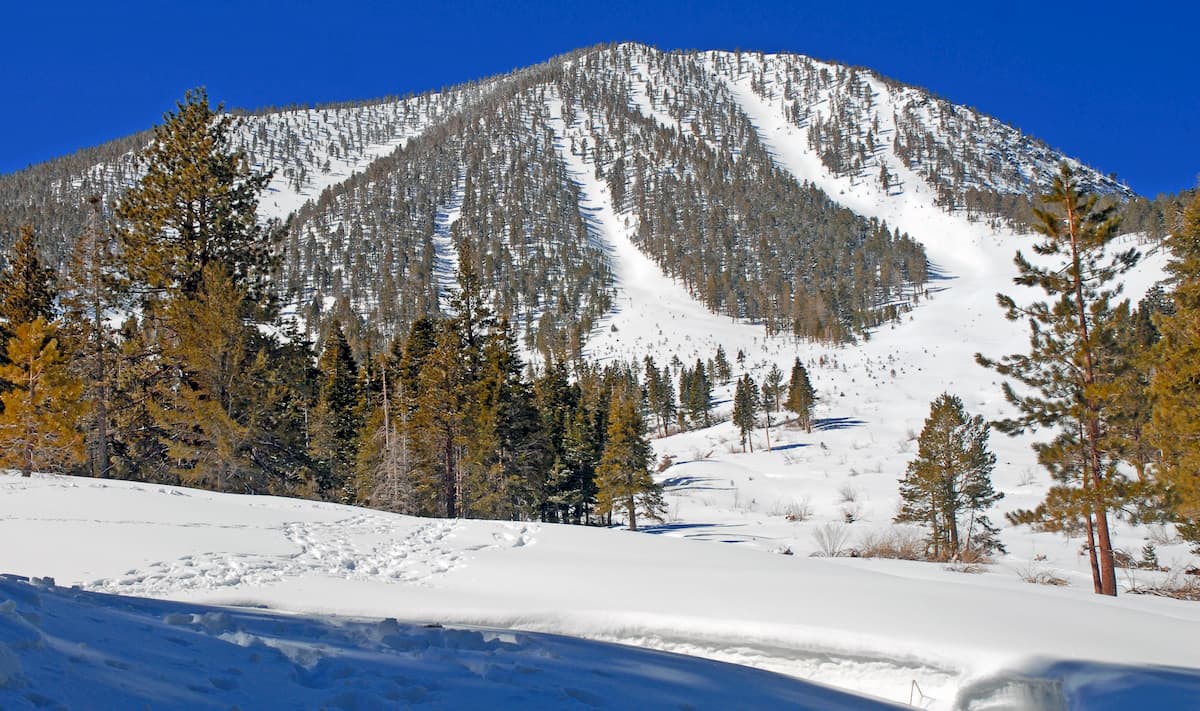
(385, 194)
(597, 191)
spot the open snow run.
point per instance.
(881, 628)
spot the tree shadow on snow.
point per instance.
(827, 424)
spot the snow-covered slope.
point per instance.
(869, 627)
(899, 630)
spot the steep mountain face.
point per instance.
(514, 173)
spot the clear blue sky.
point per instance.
(1115, 85)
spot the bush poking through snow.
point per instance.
(831, 539)
(1041, 575)
(794, 511)
(1177, 584)
(898, 542)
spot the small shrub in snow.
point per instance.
(795, 511)
(898, 542)
(1175, 585)
(1040, 575)
(848, 493)
(831, 539)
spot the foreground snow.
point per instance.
(870, 627)
(121, 652)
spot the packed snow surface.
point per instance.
(882, 629)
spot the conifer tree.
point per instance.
(623, 478)
(1175, 427)
(722, 370)
(507, 455)
(695, 394)
(745, 408)
(384, 454)
(335, 422)
(37, 427)
(948, 486)
(660, 394)
(801, 398)
(1067, 368)
(91, 291)
(220, 403)
(27, 287)
(196, 205)
(440, 425)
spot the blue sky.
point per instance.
(1113, 84)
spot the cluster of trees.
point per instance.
(1116, 383)
(203, 384)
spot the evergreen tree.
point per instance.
(695, 394)
(91, 292)
(440, 426)
(507, 455)
(623, 478)
(1175, 427)
(384, 454)
(219, 404)
(196, 205)
(335, 420)
(37, 427)
(745, 408)
(660, 394)
(1067, 368)
(722, 370)
(801, 398)
(949, 484)
(27, 288)
(772, 389)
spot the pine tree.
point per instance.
(722, 370)
(91, 292)
(384, 454)
(1175, 427)
(695, 394)
(335, 422)
(660, 394)
(623, 478)
(37, 427)
(949, 483)
(220, 403)
(1066, 368)
(440, 426)
(196, 205)
(801, 398)
(506, 455)
(745, 408)
(27, 288)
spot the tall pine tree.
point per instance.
(623, 478)
(1070, 385)
(1175, 427)
(801, 398)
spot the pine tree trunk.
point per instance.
(1107, 570)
